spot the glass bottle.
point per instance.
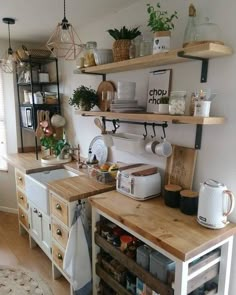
(89, 60)
(189, 33)
(80, 58)
(132, 50)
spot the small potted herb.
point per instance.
(161, 24)
(84, 98)
(164, 105)
(53, 144)
(122, 42)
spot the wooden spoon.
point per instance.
(98, 123)
(39, 131)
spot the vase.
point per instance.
(121, 50)
(163, 108)
(161, 42)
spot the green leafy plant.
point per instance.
(164, 100)
(84, 97)
(124, 33)
(55, 145)
(159, 20)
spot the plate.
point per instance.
(99, 149)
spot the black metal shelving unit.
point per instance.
(37, 63)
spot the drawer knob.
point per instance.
(58, 206)
(21, 197)
(58, 232)
(40, 215)
(19, 178)
(59, 256)
(22, 216)
(35, 210)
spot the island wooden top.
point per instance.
(78, 187)
(166, 227)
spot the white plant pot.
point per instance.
(161, 42)
(163, 108)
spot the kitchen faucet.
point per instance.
(67, 150)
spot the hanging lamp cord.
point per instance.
(64, 9)
(9, 40)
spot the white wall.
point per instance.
(217, 157)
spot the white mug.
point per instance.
(163, 149)
(150, 146)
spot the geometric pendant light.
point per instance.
(64, 41)
(7, 62)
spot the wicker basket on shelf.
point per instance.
(24, 53)
(121, 49)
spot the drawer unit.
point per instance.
(20, 179)
(21, 199)
(59, 233)
(59, 208)
(23, 217)
(58, 255)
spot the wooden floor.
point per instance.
(14, 250)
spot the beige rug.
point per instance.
(18, 281)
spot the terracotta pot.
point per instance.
(121, 49)
(161, 42)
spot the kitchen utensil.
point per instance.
(58, 121)
(99, 124)
(188, 202)
(39, 131)
(99, 149)
(216, 202)
(180, 166)
(172, 195)
(150, 146)
(163, 149)
(48, 129)
(103, 88)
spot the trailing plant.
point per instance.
(55, 145)
(124, 33)
(159, 20)
(164, 100)
(84, 97)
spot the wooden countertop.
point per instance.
(78, 187)
(166, 227)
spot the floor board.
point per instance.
(14, 250)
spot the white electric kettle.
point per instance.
(215, 203)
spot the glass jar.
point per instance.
(177, 102)
(80, 58)
(89, 60)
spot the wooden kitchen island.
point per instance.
(172, 233)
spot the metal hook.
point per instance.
(104, 124)
(154, 130)
(163, 129)
(145, 127)
(116, 125)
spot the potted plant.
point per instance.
(122, 42)
(53, 144)
(164, 105)
(161, 24)
(85, 98)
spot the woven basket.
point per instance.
(121, 49)
(24, 53)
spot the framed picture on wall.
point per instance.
(158, 86)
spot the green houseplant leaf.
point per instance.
(84, 97)
(124, 33)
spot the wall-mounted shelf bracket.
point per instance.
(85, 73)
(205, 62)
(198, 137)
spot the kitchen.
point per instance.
(215, 158)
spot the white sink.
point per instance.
(36, 186)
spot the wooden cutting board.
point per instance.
(180, 166)
(103, 101)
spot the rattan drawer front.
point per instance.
(23, 217)
(57, 256)
(20, 179)
(21, 199)
(59, 209)
(60, 234)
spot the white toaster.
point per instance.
(139, 181)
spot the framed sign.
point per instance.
(158, 86)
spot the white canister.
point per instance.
(202, 108)
(161, 42)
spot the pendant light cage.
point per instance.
(64, 41)
(7, 62)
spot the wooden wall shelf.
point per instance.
(203, 51)
(156, 118)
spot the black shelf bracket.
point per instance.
(97, 74)
(198, 137)
(205, 62)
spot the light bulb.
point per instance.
(65, 37)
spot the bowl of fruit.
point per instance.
(105, 173)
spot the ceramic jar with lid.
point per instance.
(89, 60)
(177, 102)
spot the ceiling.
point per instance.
(36, 19)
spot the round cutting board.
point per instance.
(103, 102)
